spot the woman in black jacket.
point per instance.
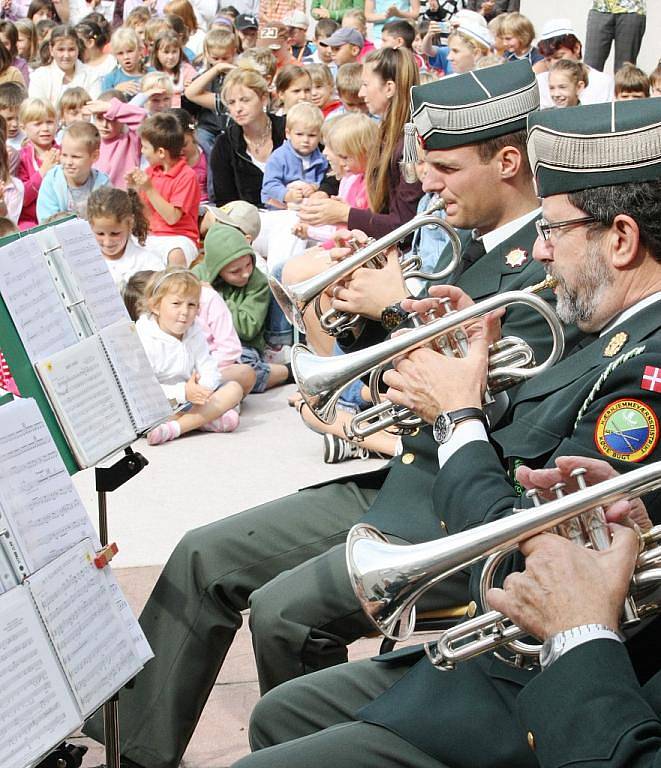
(240, 153)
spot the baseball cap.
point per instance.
(272, 35)
(240, 214)
(296, 19)
(246, 21)
(345, 35)
(557, 28)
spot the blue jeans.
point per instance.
(253, 358)
(278, 329)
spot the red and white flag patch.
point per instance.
(651, 379)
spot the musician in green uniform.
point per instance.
(305, 623)
(598, 169)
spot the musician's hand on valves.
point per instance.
(428, 382)
(368, 292)
(565, 585)
(596, 471)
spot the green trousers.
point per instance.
(193, 613)
(286, 561)
(311, 722)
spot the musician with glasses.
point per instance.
(304, 619)
(601, 161)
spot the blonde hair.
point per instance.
(171, 280)
(72, 98)
(517, 25)
(184, 10)
(320, 74)
(124, 37)
(349, 78)
(261, 60)
(138, 16)
(359, 16)
(247, 78)
(220, 37)
(154, 28)
(33, 110)
(354, 136)
(576, 71)
(26, 28)
(305, 114)
(157, 80)
(86, 134)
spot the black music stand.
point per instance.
(108, 479)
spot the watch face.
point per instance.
(442, 428)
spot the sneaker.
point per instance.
(336, 449)
(280, 353)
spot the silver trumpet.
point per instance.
(389, 579)
(321, 379)
(295, 299)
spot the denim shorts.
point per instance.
(253, 358)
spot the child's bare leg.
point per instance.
(278, 374)
(241, 373)
(176, 258)
(222, 400)
(381, 442)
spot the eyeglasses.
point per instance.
(545, 229)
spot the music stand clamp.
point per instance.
(109, 479)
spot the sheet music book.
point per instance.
(79, 338)
(65, 648)
(104, 392)
(41, 513)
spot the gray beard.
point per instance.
(578, 303)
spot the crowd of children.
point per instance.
(137, 128)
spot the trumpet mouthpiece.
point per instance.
(548, 282)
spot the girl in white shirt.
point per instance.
(65, 70)
(179, 354)
(120, 226)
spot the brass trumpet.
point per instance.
(321, 380)
(295, 299)
(388, 579)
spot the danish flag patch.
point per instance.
(651, 379)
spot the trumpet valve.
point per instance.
(533, 495)
(558, 490)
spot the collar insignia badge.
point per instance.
(516, 258)
(615, 344)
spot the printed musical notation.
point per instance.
(40, 503)
(80, 252)
(33, 300)
(92, 641)
(36, 706)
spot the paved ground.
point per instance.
(196, 480)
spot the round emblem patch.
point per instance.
(626, 430)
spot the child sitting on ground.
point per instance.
(68, 186)
(179, 355)
(322, 93)
(118, 125)
(126, 76)
(118, 221)
(71, 107)
(38, 155)
(170, 191)
(192, 151)
(348, 83)
(229, 265)
(518, 34)
(295, 169)
(156, 92)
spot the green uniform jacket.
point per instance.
(564, 413)
(406, 506)
(588, 709)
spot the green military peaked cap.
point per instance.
(595, 146)
(475, 106)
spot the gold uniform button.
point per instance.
(531, 740)
(415, 432)
(408, 458)
(471, 609)
(443, 525)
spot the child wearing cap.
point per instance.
(297, 27)
(229, 265)
(246, 28)
(346, 45)
(295, 170)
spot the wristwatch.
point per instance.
(448, 420)
(392, 317)
(556, 645)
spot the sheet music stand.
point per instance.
(108, 479)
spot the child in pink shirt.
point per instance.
(38, 155)
(120, 144)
